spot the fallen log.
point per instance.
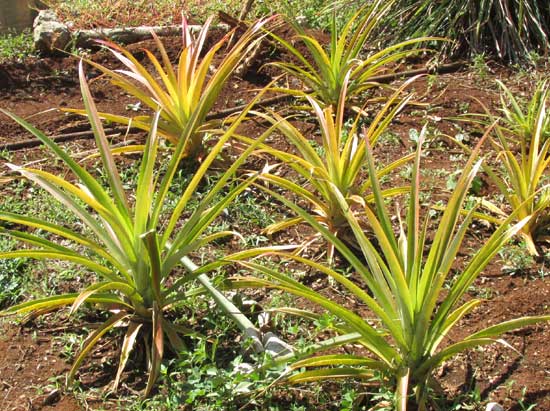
(51, 35)
(126, 35)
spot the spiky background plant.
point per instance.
(324, 71)
(508, 29)
(524, 119)
(523, 146)
(185, 93)
(414, 296)
(137, 239)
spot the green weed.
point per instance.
(13, 275)
(14, 46)
(516, 259)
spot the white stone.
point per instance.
(275, 346)
(244, 368)
(494, 406)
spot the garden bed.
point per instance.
(513, 284)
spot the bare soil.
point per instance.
(29, 354)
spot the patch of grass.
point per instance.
(13, 277)
(199, 10)
(516, 259)
(111, 13)
(312, 13)
(23, 198)
(479, 65)
(251, 210)
(16, 46)
(18, 280)
(68, 344)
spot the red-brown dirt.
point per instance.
(29, 356)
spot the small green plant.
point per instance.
(68, 344)
(205, 382)
(479, 65)
(523, 403)
(216, 374)
(402, 281)
(16, 46)
(131, 242)
(516, 259)
(327, 75)
(470, 400)
(13, 278)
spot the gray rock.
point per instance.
(50, 35)
(244, 368)
(494, 406)
(275, 346)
